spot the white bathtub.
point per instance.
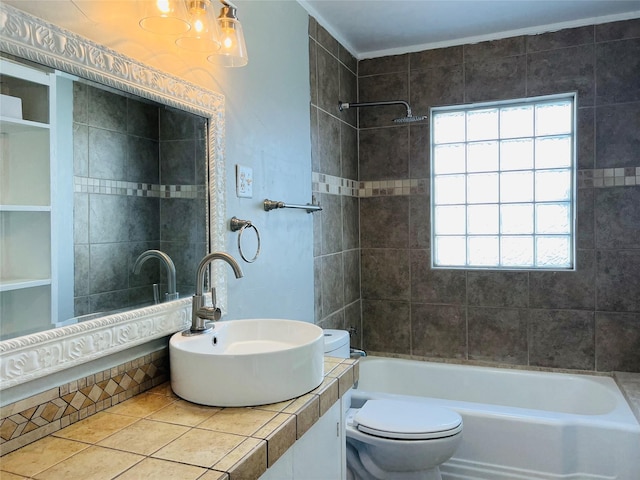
(518, 424)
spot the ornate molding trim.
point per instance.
(32, 356)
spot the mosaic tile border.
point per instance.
(322, 183)
(133, 189)
(609, 177)
(393, 188)
(328, 184)
(36, 417)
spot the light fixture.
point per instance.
(195, 27)
(233, 50)
(204, 35)
(166, 17)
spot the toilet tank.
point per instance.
(336, 343)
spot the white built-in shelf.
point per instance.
(17, 125)
(27, 167)
(8, 284)
(25, 208)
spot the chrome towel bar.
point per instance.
(272, 205)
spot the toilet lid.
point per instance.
(406, 420)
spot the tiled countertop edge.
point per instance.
(251, 453)
(629, 384)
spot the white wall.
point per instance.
(267, 129)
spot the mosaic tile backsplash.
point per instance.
(36, 417)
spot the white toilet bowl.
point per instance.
(400, 440)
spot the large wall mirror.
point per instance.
(142, 155)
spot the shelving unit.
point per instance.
(27, 165)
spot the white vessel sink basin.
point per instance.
(247, 362)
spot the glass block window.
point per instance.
(502, 183)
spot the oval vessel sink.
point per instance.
(247, 362)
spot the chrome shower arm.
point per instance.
(346, 105)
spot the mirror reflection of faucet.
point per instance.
(171, 273)
(201, 315)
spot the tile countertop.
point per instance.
(629, 383)
(158, 435)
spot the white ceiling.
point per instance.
(367, 28)
(374, 28)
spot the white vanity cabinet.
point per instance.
(320, 453)
(27, 160)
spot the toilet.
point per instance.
(336, 343)
(400, 440)
(395, 439)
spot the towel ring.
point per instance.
(240, 226)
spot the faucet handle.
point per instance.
(209, 313)
(212, 312)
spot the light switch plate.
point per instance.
(244, 181)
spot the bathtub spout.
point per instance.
(356, 352)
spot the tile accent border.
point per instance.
(609, 177)
(321, 183)
(36, 417)
(134, 189)
(393, 188)
(587, 178)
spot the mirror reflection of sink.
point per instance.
(247, 362)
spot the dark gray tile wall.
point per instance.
(588, 319)
(334, 152)
(183, 220)
(123, 139)
(372, 265)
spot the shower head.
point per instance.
(408, 119)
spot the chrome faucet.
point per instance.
(201, 314)
(168, 263)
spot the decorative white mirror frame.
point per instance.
(33, 356)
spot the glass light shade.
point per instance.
(204, 34)
(166, 17)
(233, 50)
